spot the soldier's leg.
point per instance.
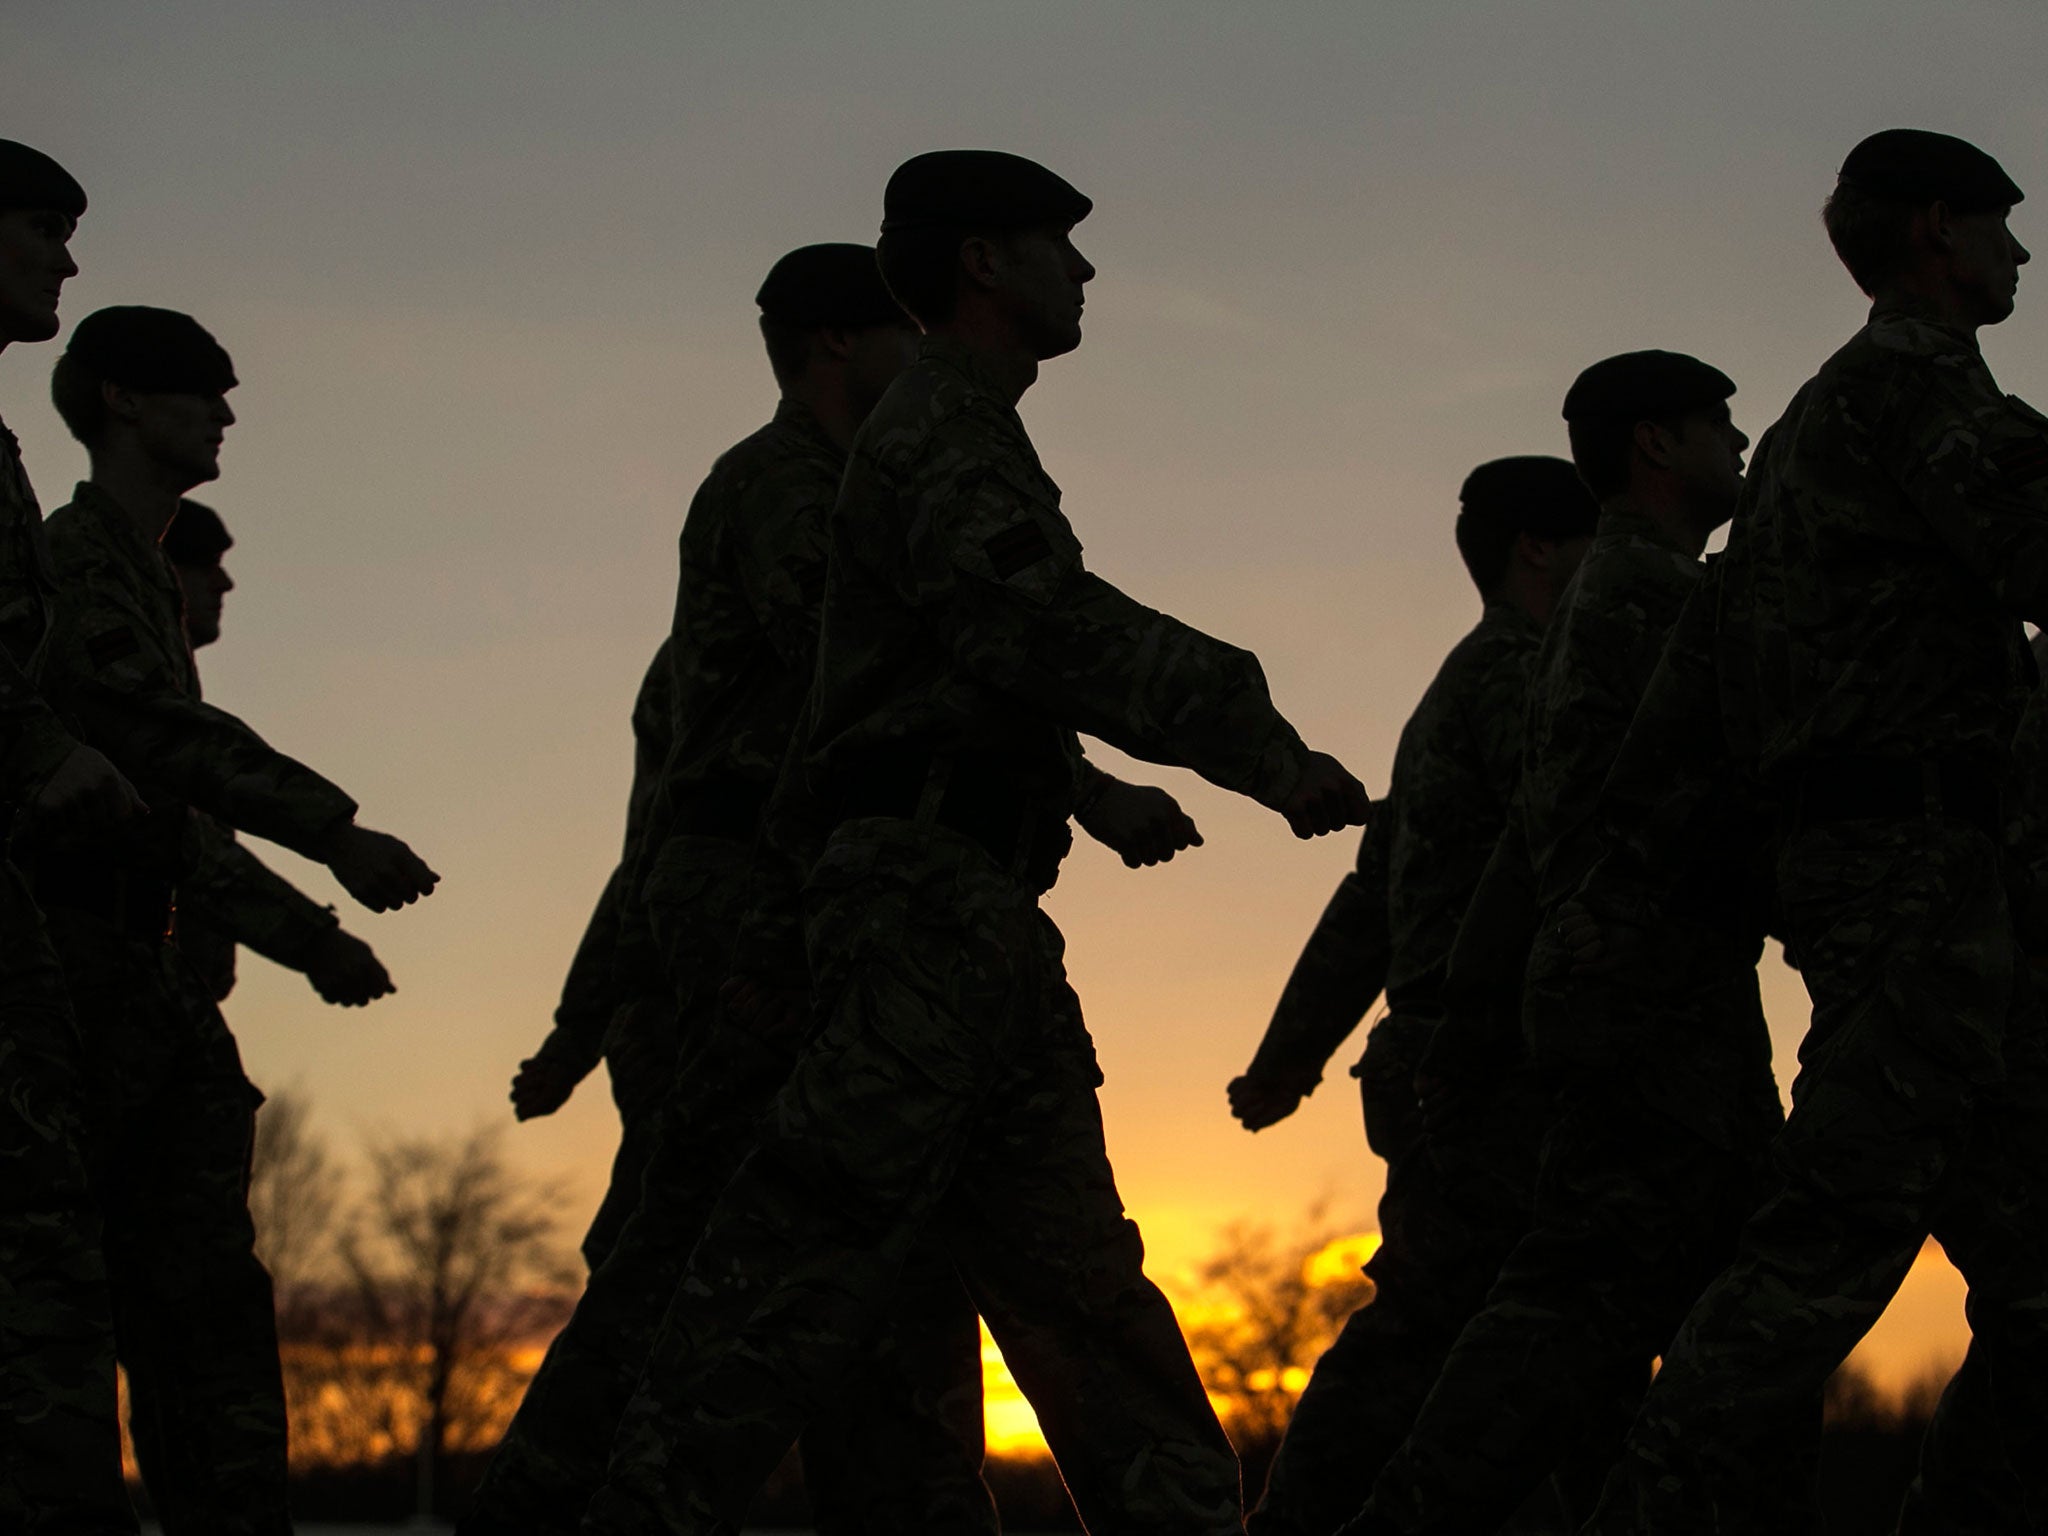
(1906, 946)
(1635, 1215)
(60, 1438)
(196, 1321)
(925, 961)
(554, 1453)
(1982, 1467)
(1455, 1207)
(1038, 1229)
(640, 1059)
(900, 1446)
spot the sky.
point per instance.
(487, 277)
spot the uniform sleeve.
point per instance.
(999, 566)
(1342, 969)
(1976, 462)
(785, 537)
(589, 992)
(131, 707)
(618, 957)
(242, 899)
(33, 741)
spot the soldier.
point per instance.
(950, 1084)
(1872, 669)
(233, 897)
(901, 1447)
(144, 390)
(1523, 526)
(60, 1439)
(1661, 1100)
(637, 1044)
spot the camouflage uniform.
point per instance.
(60, 1441)
(172, 1112)
(900, 1446)
(1872, 667)
(637, 1045)
(949, 1088)
(1456, 1202)
(1662, 1098)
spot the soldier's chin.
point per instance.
(38, 324)
(1059, 340)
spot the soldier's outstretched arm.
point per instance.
(131, 706)
(1024, 613)
(1342, 970)
(247, 901)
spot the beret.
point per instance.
(196, 536)
(978, 189)
(31, 179)
(828, 285)
(1639, 385)
(157, 351)
(1911, 165)
(1529, 484)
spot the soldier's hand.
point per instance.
(87, 793)
(1260, 1099)
(346, 971)
(377, 869)
(763, 1006)
(1143, 824)
(541, 1086)
(1327, 799)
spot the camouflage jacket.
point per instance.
(231, 897)
(1894, 531)
(743, 644)
(590, 993)
(959, 616)
(1453, 781)
(1597, 656)
(123, 669)
(33, 740)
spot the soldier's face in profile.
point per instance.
(1043, 276)
(205, 587)
(183, 433)
(35, 260)
(1707, 455)
(1986, 259)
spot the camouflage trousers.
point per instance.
(1635, 1212)
(898, 1446)
(60, 1435)
(949, 1092)
(1921, 1106)
(172, 1127)
(640, 1059)
(1457, 1200)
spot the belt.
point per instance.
(980, 797)
(728, 808)
(1841, 789)
(140, 906)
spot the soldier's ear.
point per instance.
(835, 341)
(1654, 442)
(981, 261)
(119, 401)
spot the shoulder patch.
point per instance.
(115, 645)
(1016, 548)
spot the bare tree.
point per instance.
(455, 1266)
(1267, 1308)
(294, 1198)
